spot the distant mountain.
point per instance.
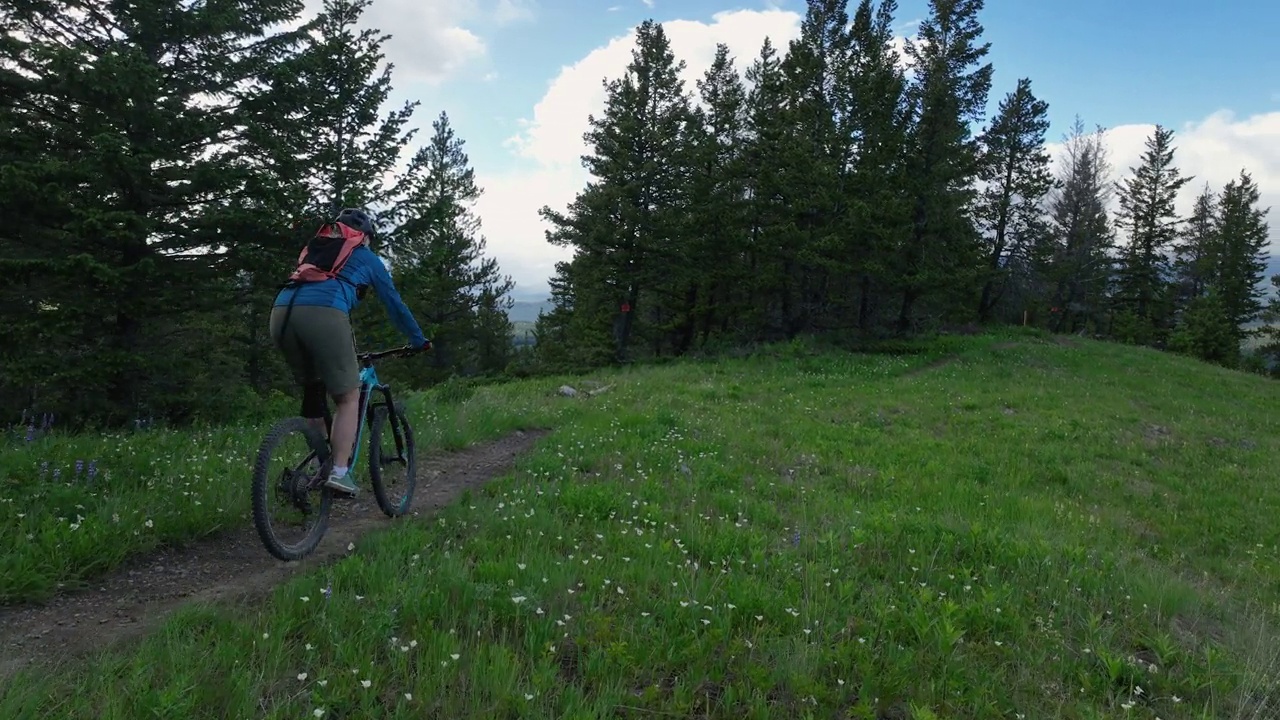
(529, 304)
(528, 310)
(534, 292)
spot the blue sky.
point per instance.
(1124, 64)
(1114, 62)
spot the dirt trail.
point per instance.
(946, 360)
(931, 365)
(232, 565)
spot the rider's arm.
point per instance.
(401, 317)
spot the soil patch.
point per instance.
(228, 566)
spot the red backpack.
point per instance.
(326, 254)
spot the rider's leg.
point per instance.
(333, 348)
(318, 346)
(345, 421)
(293, 346)
(315, 406)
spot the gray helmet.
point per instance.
(357, 220)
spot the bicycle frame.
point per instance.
(370, 384)
(297, 483)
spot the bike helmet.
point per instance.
(356, 220)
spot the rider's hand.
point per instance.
(426, 345)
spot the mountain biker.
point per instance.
(319, 346)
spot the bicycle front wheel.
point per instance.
(393, 465)
(290, 503)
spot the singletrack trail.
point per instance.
(229, 566)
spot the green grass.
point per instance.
(60, 528)
(1030, 530)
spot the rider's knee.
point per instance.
(348, 397)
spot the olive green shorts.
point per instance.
(318, 346)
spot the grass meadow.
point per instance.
(997, 527)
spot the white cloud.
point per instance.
(648, 3)
(1213, 150)
(431, 40)
(511, 11)
(551, 141)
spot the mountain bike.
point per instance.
(300, 486)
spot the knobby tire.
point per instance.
(264, 489)
(392, 507)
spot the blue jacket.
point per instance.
(363, 268)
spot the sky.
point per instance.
(518, 79)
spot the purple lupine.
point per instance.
(31, 433)
(57, 473)
(44, 469)
(93, 469)
(79, 468)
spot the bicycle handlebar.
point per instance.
(379, 354)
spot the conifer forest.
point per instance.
(162, 163)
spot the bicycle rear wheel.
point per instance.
(393, 452)
(288, 487)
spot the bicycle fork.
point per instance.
(397, 430)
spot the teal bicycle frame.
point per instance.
(370, 384)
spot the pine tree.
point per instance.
(1242, 233)
(1015, 169)
(876, 116)
(1205, 331)
(492, 347)
(630, 219)
(581, 331)
(136, 114)
(438, 262)
(818, 259)
(30, 233)
(1149, 217)
(941, 258)
(716, 218)
(1197, 254)
(343, 151)
(1073, 260)
(769, 151)
(553, 341)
